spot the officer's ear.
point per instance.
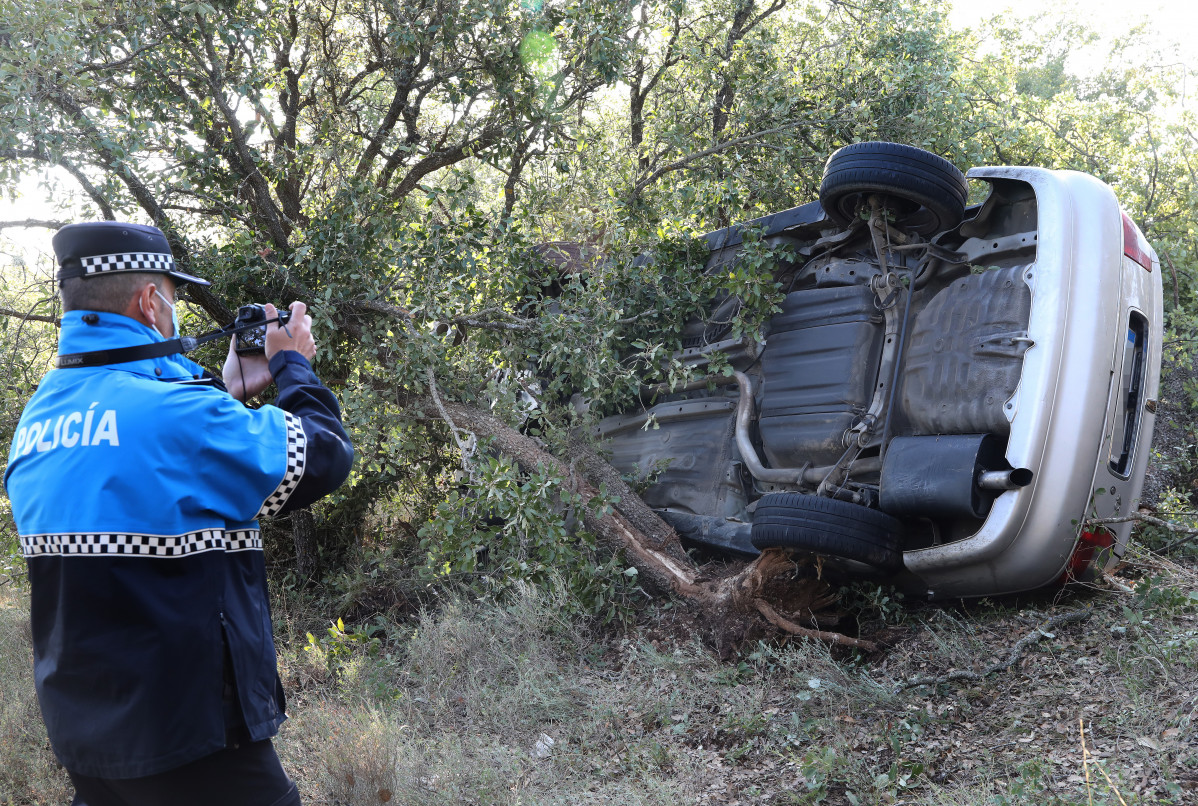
(142, 307)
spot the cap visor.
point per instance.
(188, 278)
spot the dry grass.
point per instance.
(649, 719)
(29, 773)
(448, 707)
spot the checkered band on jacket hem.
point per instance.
(243, 540)
(131, 545)
(297, 445)
(128, 261)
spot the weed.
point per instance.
(746, 725)
(497, 669)
(1028, 784)
(734, 675)
(453, 706)
(12, 566)
(655, 754)
(1158, 594)
(1174, 506)
(340, 645)
(870, 603)
(822, 769)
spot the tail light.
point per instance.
(1134, 244)
(1091, 545)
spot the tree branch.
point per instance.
(33, 222)
(454, 431)
(396, 110)
(707, 152)
(30, 317)
(266, 207)
(445, 157)
(96, 68)
(727, 91)
(41, 155)
(1189, 532)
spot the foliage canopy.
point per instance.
(433, 177)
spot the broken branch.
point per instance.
(1012, 658)
(1188, 532)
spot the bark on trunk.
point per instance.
(776, 592)
(303, 532)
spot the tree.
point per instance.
(290, 127)
(459, 187)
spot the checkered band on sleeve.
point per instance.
(128, 261)
(129, 545)
(297, 445)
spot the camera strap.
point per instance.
(140, 352)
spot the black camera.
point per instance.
(253, 340)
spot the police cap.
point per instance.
(96, 248)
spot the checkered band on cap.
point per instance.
(297, 445)
(99, 248)
(128, 261)
(118, 544)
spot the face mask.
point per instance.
(174, 314)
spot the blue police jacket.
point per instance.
(137, 492)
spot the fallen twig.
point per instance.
(1012, 657)
(1116, 584)
(1188, 532)
(1086, 766)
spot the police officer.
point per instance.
(136, 484)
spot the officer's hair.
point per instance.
(109, 293)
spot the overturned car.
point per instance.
(948, 394)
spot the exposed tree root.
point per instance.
(781, 623)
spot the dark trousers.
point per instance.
(246, 775)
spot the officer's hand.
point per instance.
(297, 335)
(245, 376)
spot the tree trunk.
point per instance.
(303, 532)
(774, 593)
(636, 117)
(727, 92)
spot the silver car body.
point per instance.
(1032, 329)
(1066, 414)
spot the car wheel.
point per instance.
(829, 527)
(927, 192)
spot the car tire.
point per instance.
(828, 527)
(926, 191)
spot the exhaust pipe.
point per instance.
(1004, 479)
(779, 475)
